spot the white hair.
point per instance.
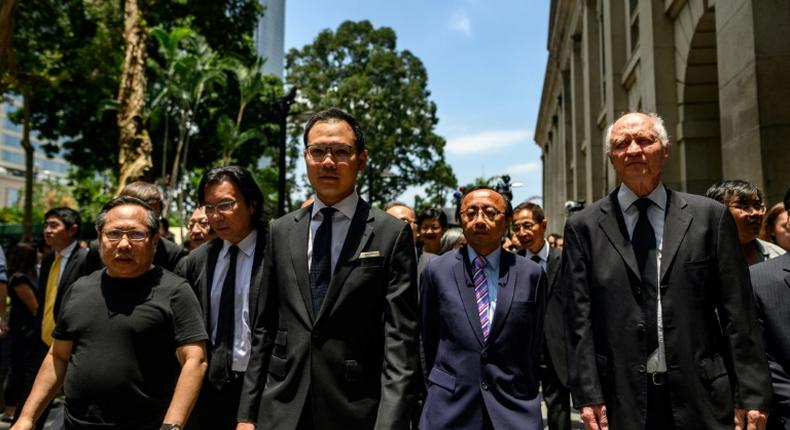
(658, 124)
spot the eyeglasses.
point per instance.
(222, 207)
(202, 224)
(338, 152)
(525, 225)
(131, 235)
(488, 213)
(754, 207)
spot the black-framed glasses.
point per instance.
(488, 212)
(525, 225)
(131, 235)
(338, 152)
(222, 207)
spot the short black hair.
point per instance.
(67, 216)
(244, 181)
(433, 213)
(22, 258)
(334, 114)
(787, 200)
(534, 209)
(144, 191)
(508, 206)
(733, 190)
(151, 220)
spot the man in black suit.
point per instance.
(405, 213)
(335, 339)
(225, 274)
(168, 253)
(662, 323)
(58, 271)
(529, 225)
(771, 281)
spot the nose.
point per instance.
(633, 147)
(124, 242)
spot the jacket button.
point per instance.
(640, 329)
(316, 335)
(642, 369)
(484, 354)
(484, 385)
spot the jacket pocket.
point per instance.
(602, 364)
(715, 381)
(280, 344)
(442, 379)
(277, 368)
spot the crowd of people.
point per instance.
(655, 309)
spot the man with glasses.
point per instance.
(128, 347)
(336, 343)
(661, 318)
(58, 271)
(225, 274)
(529, 225)
(746, 205)
(482, 314)
(199, 228)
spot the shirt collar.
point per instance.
(246, 246)
(68, 250)
(543, 253)
(626, 197)
(492, 259)
(347, 206)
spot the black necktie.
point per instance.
(643, 241)
(222, 352)
(321, 263)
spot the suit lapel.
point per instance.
(552, 267)
(787, 269)
(255, 278)
(466, 289)
(299, 235)
(610, 224)
(71, 263)
(213, 255)
(359, 232)
(504, 298)
(676, 225)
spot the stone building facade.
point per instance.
(717, 71)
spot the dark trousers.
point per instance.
(217, 409)
(37, 354)
(556, 396)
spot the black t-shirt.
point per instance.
(123, 368)
(20, 320)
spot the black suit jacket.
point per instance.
(714, 350)
(359, 356)
(75, 268)
(198, 270)
(771, 281)
(167, 256)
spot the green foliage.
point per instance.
(359, 69)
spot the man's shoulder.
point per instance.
(775, 267)
(171, 247)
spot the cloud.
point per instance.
(523, 168)
(460, 22)
(487, 141)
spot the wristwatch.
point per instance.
(167, 426)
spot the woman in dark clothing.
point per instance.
(22, 285)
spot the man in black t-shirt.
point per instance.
(121, 335)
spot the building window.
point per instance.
(602, 50)
(13, 157)
(11, 196)
(12, 141)
(633, 27)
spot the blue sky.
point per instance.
(485, 63)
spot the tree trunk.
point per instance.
(27, 220)
(135, 144)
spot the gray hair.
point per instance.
(450, 238)
(658, 124)
(152, 222)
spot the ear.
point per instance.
(363, 159)
(544, 224)
(74, 229)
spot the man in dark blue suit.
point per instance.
(482, 312)
(771, 283)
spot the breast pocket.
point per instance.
(696, 273)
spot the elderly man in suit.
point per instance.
(662, 322)
(529, 225)
(335, 339)
(482, 313)
(225, 274)
(771, 280)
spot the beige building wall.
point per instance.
(711, 68)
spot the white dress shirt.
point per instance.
(241, 329)
(341, 221)
(64, 258)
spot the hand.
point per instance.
(3, 327)
(594, 417)
(245, 426)
(23, 424)
(750, 420)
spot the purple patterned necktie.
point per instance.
(481, 295)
